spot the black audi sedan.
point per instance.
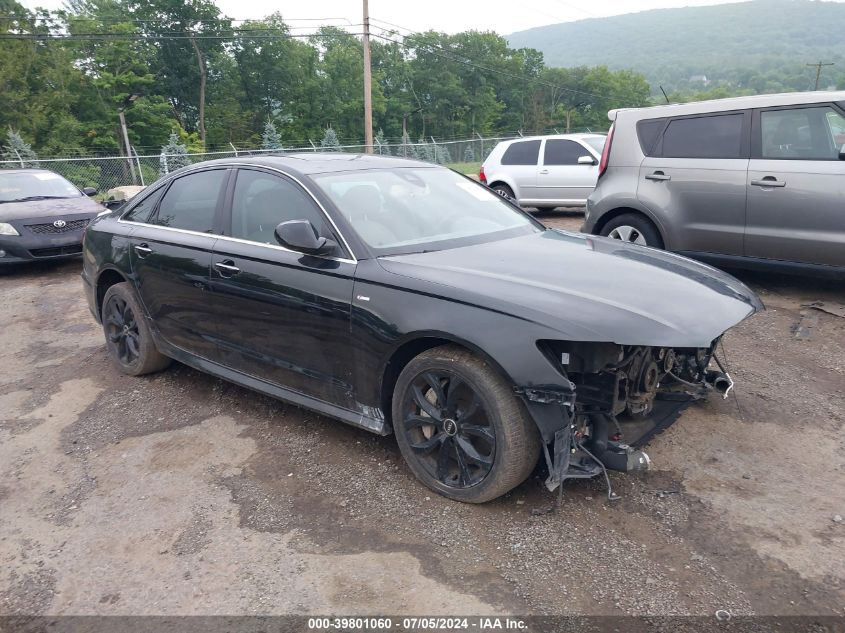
(404, 298)
(42, 215)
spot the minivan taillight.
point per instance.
(482, 177)
(605, 153)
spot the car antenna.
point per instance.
(664, 94)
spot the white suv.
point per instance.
(545, 171)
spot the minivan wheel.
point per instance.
(460, 428)
(633, 228)
(504, 191)
(128, 338)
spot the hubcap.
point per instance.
(448, 429)
(122, 330)
(628, 234)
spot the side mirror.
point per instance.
(90, 191)
(113, 204)
(586, 160)
(301, 236)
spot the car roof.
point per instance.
(25, 170)
(575, 136)
(732, 103)
(307, 163)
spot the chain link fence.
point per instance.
(105, 173)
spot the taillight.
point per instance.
(481, 177)
(605, 153)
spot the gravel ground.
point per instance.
(181, 494)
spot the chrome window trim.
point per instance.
(354, 259)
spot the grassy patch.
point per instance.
(470, 169)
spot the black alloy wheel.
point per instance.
(448, 429)
(122, 330)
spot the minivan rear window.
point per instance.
(522, 153)
(714, 136)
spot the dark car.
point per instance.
(403, 298)
(42, 215)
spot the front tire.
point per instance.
(128, 337)
(634, 229)
(460, 428)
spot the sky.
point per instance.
(450, 16)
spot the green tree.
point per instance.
(17, 149)
(271, 139)
(330, 142)
(174, 155)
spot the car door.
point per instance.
(283, 317)
(170, 255)
(796, 186)
(561, 179)
(520, 163)
(694, 181)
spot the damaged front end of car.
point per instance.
(614, 399)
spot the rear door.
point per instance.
(171, 256)
(796, 186)
(694, 180)
(561, 179)
(520, 162)
(283, 316)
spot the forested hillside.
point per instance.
(215, 81)
(757, 46)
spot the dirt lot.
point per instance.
(181, 494)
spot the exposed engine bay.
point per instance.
(622, 396)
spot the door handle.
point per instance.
(143, 250)
(544, 171)
(769, 181)
(658, 175)
(227, 268)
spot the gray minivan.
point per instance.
(749, 181)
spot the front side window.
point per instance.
(141, 211)
(715, 136)
(802, 134)
(410, 210)
(562, 152)
(191, 202)
(522, 153)
(262, 201)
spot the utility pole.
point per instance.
(368, 84)
(819, 70)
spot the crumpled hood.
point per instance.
(589, 288)
(47, 208)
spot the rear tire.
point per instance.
(634, 229)
(128, 337)
(471, 439)
(546, 209)
(504, 191)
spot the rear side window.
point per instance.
(191, 202)
(522, 153)
(562, 152)
(716, 136)
(648, 132)
(141, 211)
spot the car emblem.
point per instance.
(60, 224)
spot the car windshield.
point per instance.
(29, 185)
(408, 210)
(596, 142)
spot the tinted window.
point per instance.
(648, 132)
(718, 136)
(141, 211)
(191, 201)
(802, 134)
(561, 152)
(522, 153)
(262, 201)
